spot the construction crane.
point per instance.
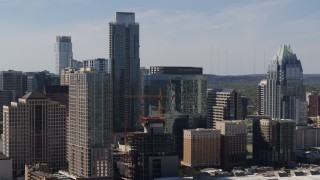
(160, 98)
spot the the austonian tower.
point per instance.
(125, 68)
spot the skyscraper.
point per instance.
(261, 96)
(63, 50)
(285, 92)
(90, 124)
(125, 69)
(34, 131)
(223, 104)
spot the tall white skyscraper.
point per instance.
(89, 133)
(63, 50)
(261, 96)
(285, 92)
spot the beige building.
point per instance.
(307, 137)
(34, 131)
(201, 147)
(65, 75)
(90, 125)
(233, 143)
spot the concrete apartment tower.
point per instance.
(34, 131)
(223, 104)
(125, 70)
(63, 50)
(285, 92)
(90, 124)
(261, 100)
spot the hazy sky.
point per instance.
(200, 33)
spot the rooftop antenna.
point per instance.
(264, 61)
(227, 61)
(254, 61)
(211, 59)
(218, 54)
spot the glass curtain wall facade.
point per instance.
(125, 70)
(285, 92)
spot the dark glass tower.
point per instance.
(125, 69)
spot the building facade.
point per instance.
(274, 142)
(125, 68)
(182, 91)
(34, 131)
(90, 124)
(233, 143)
(153, 152)
(285, 92)
(314, 105)
(261, 100)
(307, 137)
(201, 147)
(100, 64)
(63, 50)
(223, 104)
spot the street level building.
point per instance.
(201, 147)
(233, 143)
(153, 152)
(34, 131)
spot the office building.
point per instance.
(125, 68)
(314, 105)
(63, 50)
(307, 137)
(183, 91)
(233, 143)
(6, 167)
(6, 97)
(90, 125)
(100, 64)
(261, 99)
(223, 104)
(34, 131)
(274, 142)
(153, 152)
(201, 147)
(14, 81)
(285, 92)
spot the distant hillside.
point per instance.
(247, 84)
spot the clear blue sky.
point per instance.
(172, 32)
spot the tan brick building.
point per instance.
(233, 143)
(201, 147)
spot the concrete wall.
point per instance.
(5, 169)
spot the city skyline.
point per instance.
(242, 35)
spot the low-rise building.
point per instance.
(201, 147)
